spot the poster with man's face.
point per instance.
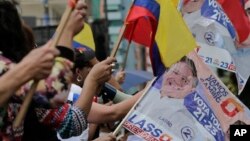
(187, 102)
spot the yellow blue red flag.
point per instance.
(158, 25)
(84, 38)
(173, 38)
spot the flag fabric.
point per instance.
(142, 21)
(215, 36)
(175, 2)
(84, 38)
(178, 4)
(158, 25)
(238, 17)
(202, 113)
(173, 37)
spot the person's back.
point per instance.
(40, 132)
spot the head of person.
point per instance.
(180, 79)
(84, 61)
(247, 8)
(13, 41)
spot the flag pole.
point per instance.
(126, 56)
(24, 108)
(132, 109)
(128, 46)
(118, 42)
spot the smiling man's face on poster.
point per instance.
(178, 81)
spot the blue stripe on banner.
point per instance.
(151, 5)
(212, 10)
(75, 44)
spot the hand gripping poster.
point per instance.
(186, 103)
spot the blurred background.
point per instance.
(105, 18)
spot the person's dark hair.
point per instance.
(82, 57)
(12, 44)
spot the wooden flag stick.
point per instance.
(118, 42)
(28, 98)
(132, 109)
(128, 46)
(126, 56)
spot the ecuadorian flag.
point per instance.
(84, 38)
(158, 25)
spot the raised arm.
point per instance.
(36, 65)
(59, 81)
(102, 113)
(98, 75)
(72, 120)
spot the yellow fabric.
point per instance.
(173, 37)
(85, 37)
(175, 2)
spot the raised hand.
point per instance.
(101, 72)
(76, 20)
(120, 76)
(40, 61)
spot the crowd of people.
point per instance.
(62, 107)
(21, 65)
(53, 114)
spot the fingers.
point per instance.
(46, 59)
(47, 49)
(111, 137)
(76, 21)
(109, 63)
(42, 61)
(81, 8)
(81, 4)
(110, 60)
(101, 72)
(53, 51)
(108, 137)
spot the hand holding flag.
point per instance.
(33, 88)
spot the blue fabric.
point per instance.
(151, 5)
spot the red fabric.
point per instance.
(237, 15)
(141, 26)
(72, 3)
(56, 116)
